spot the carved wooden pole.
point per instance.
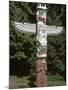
(41, 62)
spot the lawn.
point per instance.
(18, 82)
(23, 82)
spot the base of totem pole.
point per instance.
(41, 73)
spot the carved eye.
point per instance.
(41, 12)
(43, 31)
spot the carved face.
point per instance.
(42, 19)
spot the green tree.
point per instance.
(56, 14)
(57, 55)
(22, 46)
(21, 11)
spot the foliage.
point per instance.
(22, 46)
(56, 14)
(52, 77)
(22, 11)
(57, 55)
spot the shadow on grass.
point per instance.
(19, 68)
(32, 81)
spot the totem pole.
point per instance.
(41, 54)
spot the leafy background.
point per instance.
(23, 45)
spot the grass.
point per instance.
(18, 82)
(55, 80)
(56, 83)
(23, 82)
